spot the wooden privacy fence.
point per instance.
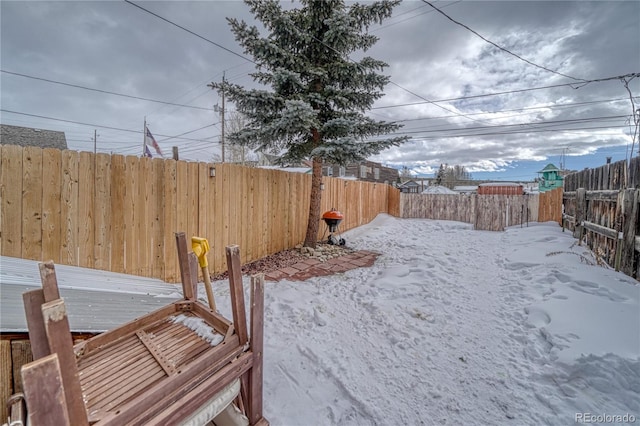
(118, 213)
(485, 212)
(604, 214)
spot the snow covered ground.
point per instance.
(453, 326)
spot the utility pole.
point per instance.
(220, 110)
(95, 141)
(222, 119)
(144, 136)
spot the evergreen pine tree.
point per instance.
(315, 97)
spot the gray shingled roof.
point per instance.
(27, 136)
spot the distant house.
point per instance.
(27, 136)
(368, 171)
(500, 188)
(412, 187)
(551, 178)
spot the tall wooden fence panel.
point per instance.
(485, 212)
(614, 176)
(118, 213)
(602, 208)
(550, 206)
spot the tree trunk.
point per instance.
(314, 206)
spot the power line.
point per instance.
(190, 131)
(103, 91)
(92, 125)
(506, 126)
(565, 105)
(413, 16)
(512, 132)
(598, 80)
(189, 31)
(500, 47)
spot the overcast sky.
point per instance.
(445, 85)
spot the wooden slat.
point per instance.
(33, 301)
(51, 187)
(224, 171)
(32, 203)
(157, 214)
(237, 294)
(170, 257)
(144, 218)
(217, 242)
(69, 208)
(86, 209)
(156, 398)
(49, 281)
(6, 384)
(220, 323)
(203, 204)
(257, 344)
(118, 193)
(601, 230)
(11, 209)
(125, 330)
(189, 402)
(20, 355)
(102, 214)
(132, 243)
(45, 393)
(193, 196)
(185, 269)
(125, 384)
(59, 336)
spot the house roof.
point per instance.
(409, 183)
(27, 136)
(549, 168)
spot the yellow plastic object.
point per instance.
(200, 247)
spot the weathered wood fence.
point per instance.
(601, 207)
(117, 213)
(485, 212)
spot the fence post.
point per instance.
(630, 200)
(581, 212)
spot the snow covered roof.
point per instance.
(288, 169)
(438, 189)
(465, 188)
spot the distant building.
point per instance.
(27, 136)
(500, 188)
(413, 187)
(551, 178)
(367, 171)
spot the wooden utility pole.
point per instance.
(222, 118)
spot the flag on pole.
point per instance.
(147, 151)
(150, 140)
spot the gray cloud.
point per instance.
(116, 47)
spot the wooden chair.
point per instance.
(181, 364)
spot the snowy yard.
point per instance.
(453, 326)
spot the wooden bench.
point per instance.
(182, 364)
